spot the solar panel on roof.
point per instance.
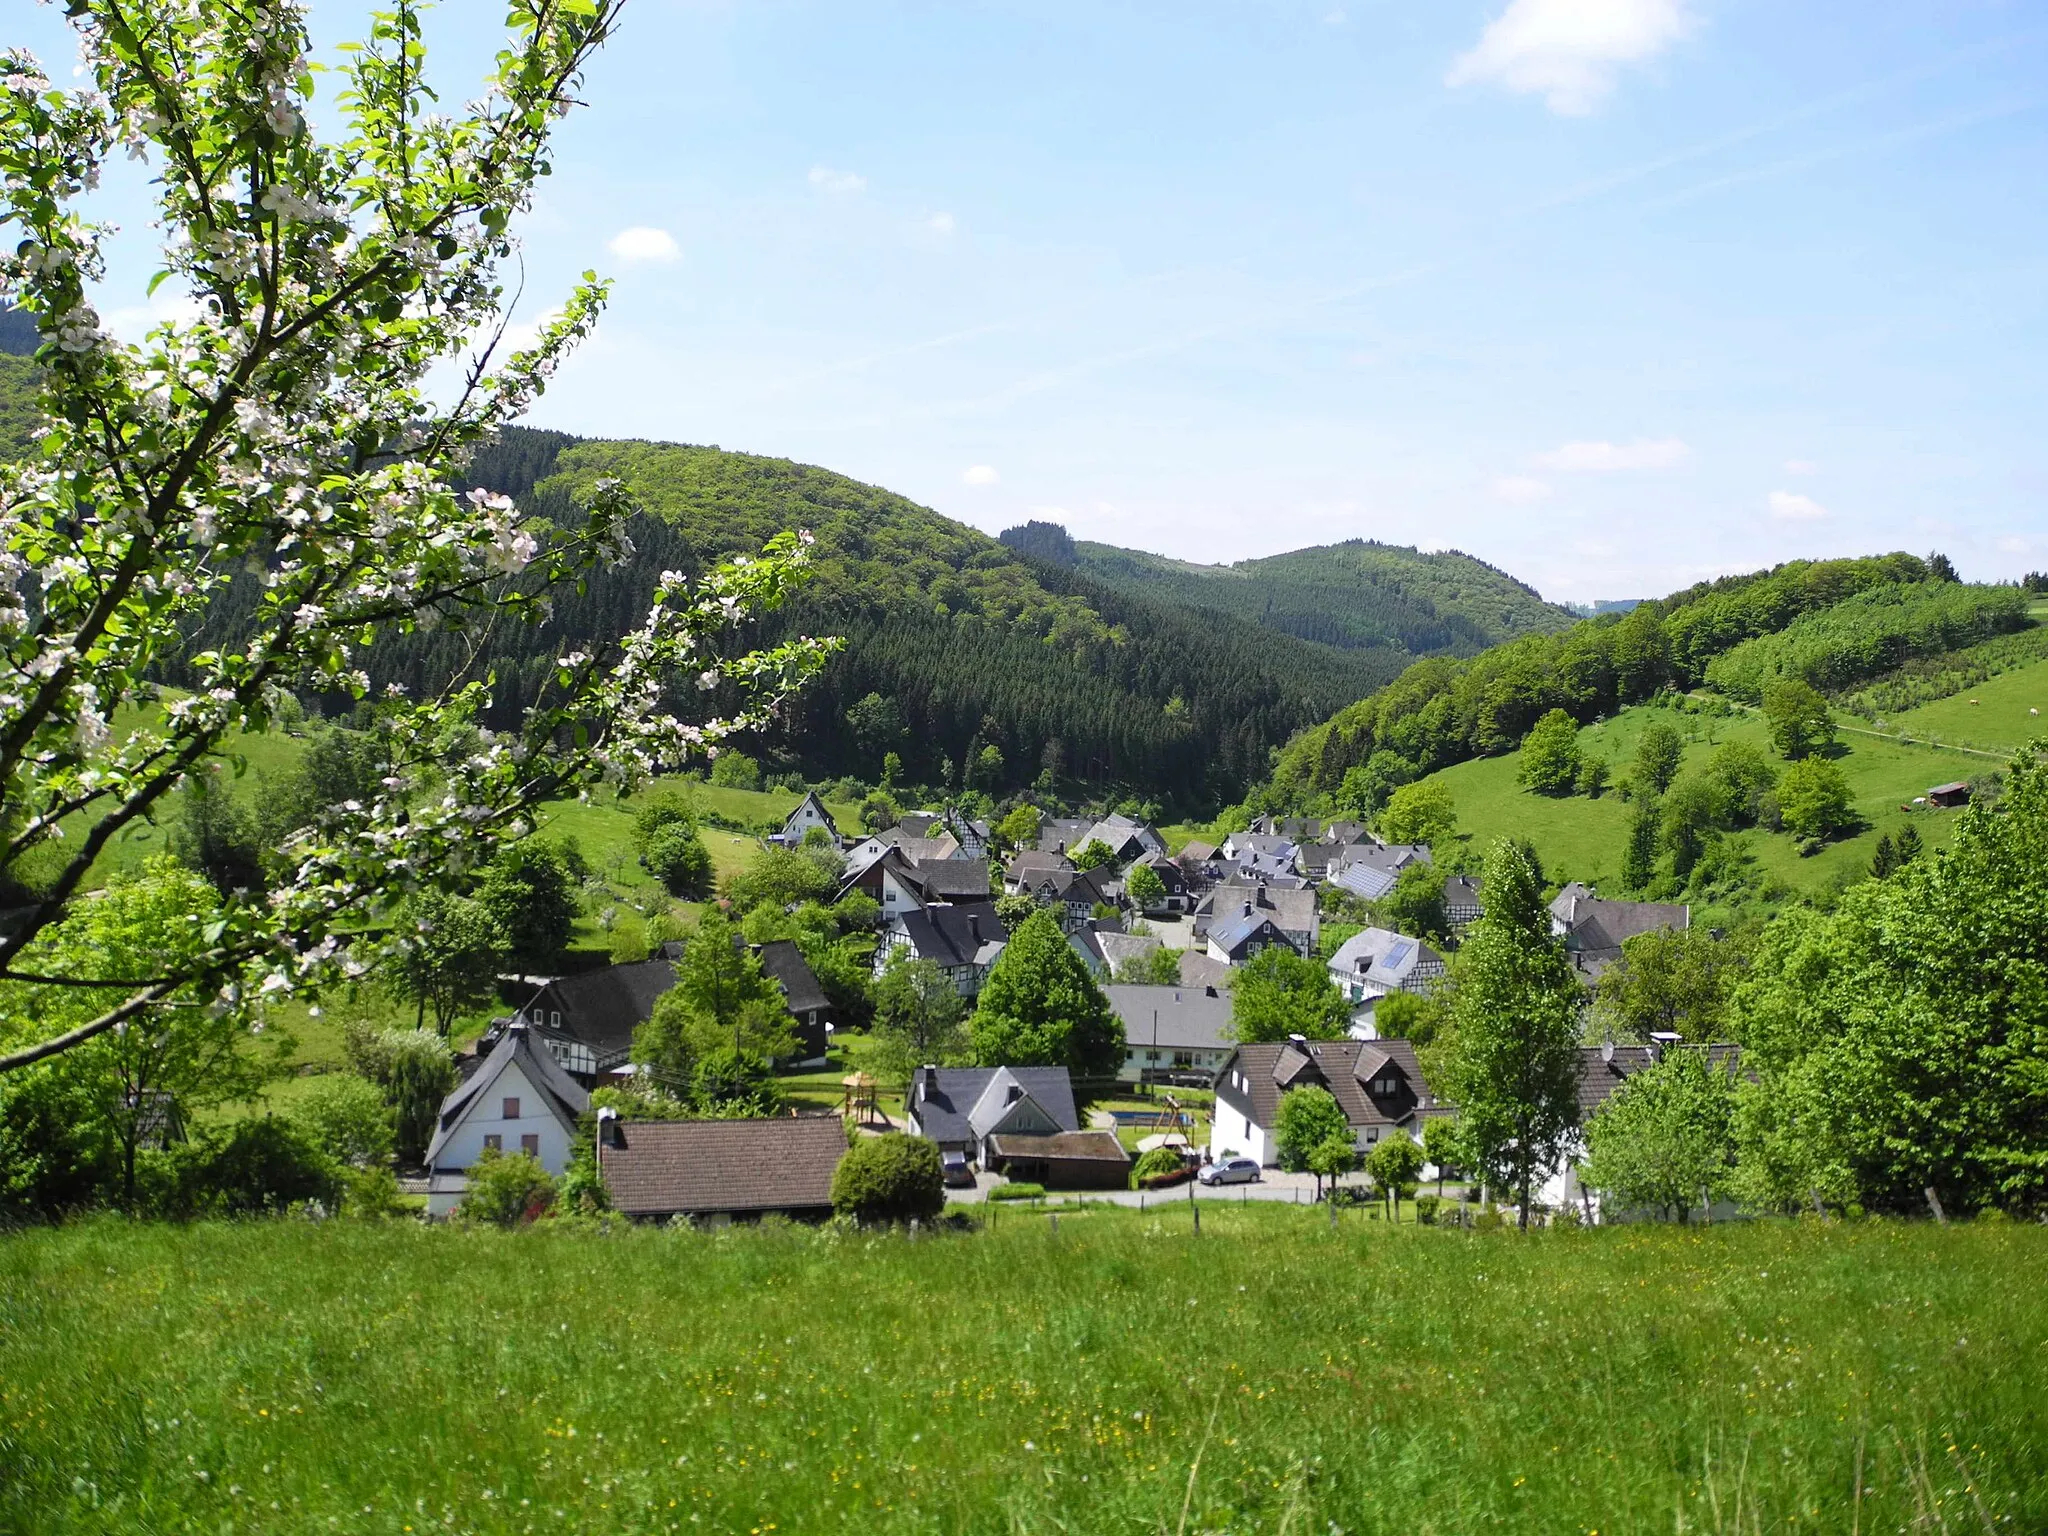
(1397, 956)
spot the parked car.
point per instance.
(1233, 1170)
(954, 1170)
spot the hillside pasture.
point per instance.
(1115, 1373)
(1994, 715)
(1582, 839)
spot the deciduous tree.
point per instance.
(1665, 1139)
(1550, 755)
(1510, 1059)
(281, 434)
(1041, 1008)
(1280, 994)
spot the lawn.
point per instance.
(1994, 715)
(1116, 1374)
(1582, 839)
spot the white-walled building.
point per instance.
(517, 1100)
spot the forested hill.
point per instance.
(1357, 595)
(972, 645)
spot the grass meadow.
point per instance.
(1582, 839)
(1117, 1374)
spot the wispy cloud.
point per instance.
(980, 474)
(1791, 507)
(1519, 490)
(1569, 51)
(839, 183)
(643, 243)
(1605, 458)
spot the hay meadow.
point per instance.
(1117, 1374)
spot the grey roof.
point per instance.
(560, 1093)
(1291, 907)
(1031, 866)
(691, 1167)
(1176, 1018)
(1058, 834)
(1195, 851)
(1117, 948)
(1063, 1147)
(928, 850)
(1200, 970)
(916, 823)
(945, 1100)
(1463, 891)
(781, 959)
(1385, 958)
(1603, 925)
(602, 1008)
(811, 799)
(1233, 934)
(1344, 1067)
(1564, 907)
(952, 935)
(1242, 843)
(1603, 1069)
(1369, 869)
(952, 879)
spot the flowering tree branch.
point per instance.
(287, 428)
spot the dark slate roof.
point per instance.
(1062, 834)
(953, 934)
(1603, 1069)
(1272, 1067)
(1604, 924)
(943, 1106)
(561, 1093)
(1173, 1018)
(677, 1167)
(781, 959)
(952, 879)
(1231, 934)
(602, 1008)
(1463, 890)
(1031, 866)
(1067, 1146)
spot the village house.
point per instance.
(960, 1107)
(1594, 929)
(810, 815)
(1107, 949)
(1179, 893)
(517, 1099)
(1126, 839)
(1376, 961)
(1462, 906)
(897, 883)
(1602, 1071)
(1062, 834)
(1294, 910)
(810, 1010)
(962, 940)
(719, 1171)
(1370, 869)
(587, 1020)
(1377, 1083)
(1027, 871)
(1173, 1034)
(1237, 940)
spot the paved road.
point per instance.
(1292, 1188)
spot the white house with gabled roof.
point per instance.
(517, 1100)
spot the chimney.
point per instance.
(1247, 909)
(974, 927)
(1300, 1040)
(1209, 990)
(930, 1076)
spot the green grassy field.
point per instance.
(1118, 1374)
(1993, 715)
(1582, 839)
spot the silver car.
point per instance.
(1235, 1170)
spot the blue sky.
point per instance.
(1612, 293)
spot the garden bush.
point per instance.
(1426, 1209)
(1016, 1190)
(506, 1191)
(888, 1178)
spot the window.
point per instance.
(530, 1145)
(494, 1142)
(555, 1018)
(511, 1110)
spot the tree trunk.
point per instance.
(1523, 1221)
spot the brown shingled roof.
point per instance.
(1269, 1068)
(1601, 1074)
(693, 1167)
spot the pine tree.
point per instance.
(1639, 858)
(1885, 861)
(1907, 846)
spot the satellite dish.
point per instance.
(1607, 1051)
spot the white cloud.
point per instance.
(981, 474)
(829, 180)
(1790, 507)
(642, 243)
(523, 334)
(2013, 544)
(1801, 467)
(1603, 457)
(1520, 490)
(132, 322)
(940, 224)
(1569, 50)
